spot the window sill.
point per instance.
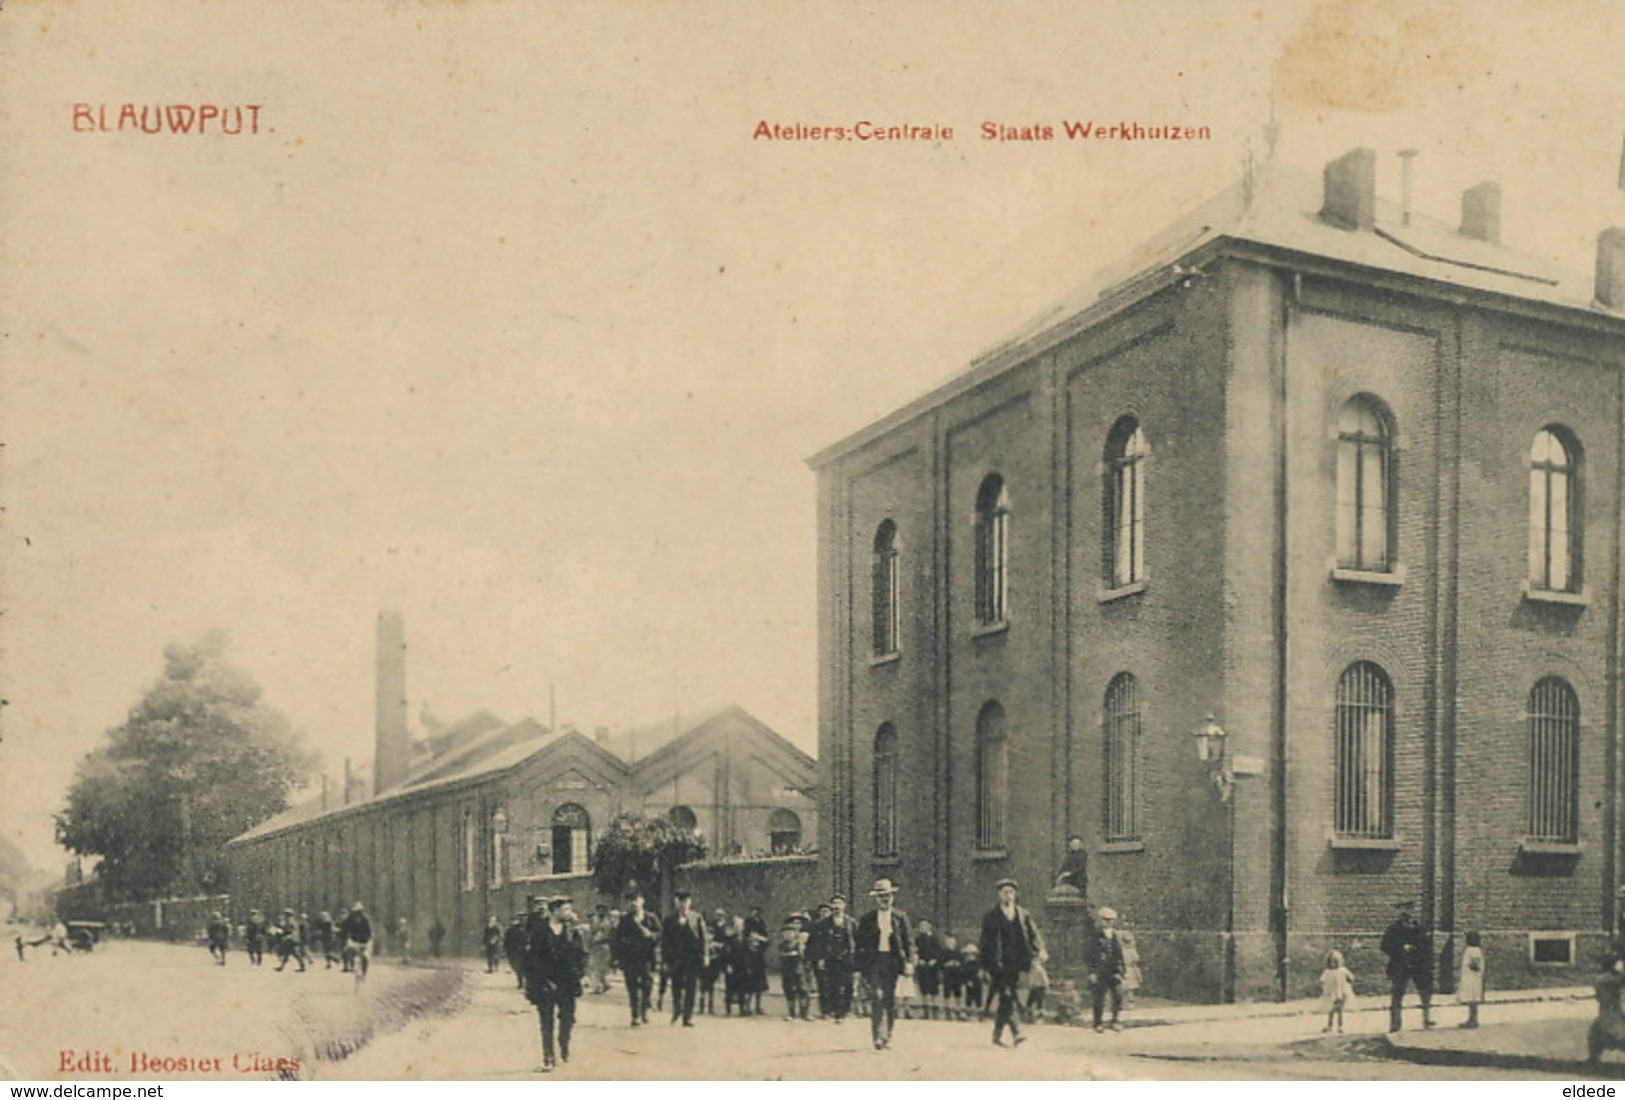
(1532, 594)
(880, 659)
(1107, 595)
(988, 630)
(1529, 846)
(1391, 578)
(886, 861)
(1365, 843)
(1112, 846)
(990, 855)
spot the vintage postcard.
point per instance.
(803, 541)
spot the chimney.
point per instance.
(1351, 190)
(1481, 212)
(1611, 269)
(392, 751)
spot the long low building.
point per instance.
(487, 809)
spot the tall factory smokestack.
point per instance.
(393, 750)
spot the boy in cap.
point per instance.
(1106, 968)
(555, 961)
(792, 968)
(636, 940)
(883, 946)
(1010, 945)
(835, 958)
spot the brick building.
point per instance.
(463, 823)
(1345, 478)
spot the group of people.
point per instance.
(1409, 952)
(294, 937)
(874, 963)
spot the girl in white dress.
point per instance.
(1470, 987)
(1336, 991)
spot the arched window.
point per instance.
(1365, 753)
(1364, 487)
(992, 778)
(1126, 452)
(683, 817)
(1122, 734)
(887, 591)
(992, 550)
(1554, 762)
(886, 791)
(783, 832)
(572, 840)
(1554, 529)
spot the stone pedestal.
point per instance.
(1068, 927)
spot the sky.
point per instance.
(505, 318)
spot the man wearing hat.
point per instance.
(815, 964)
(834, 954)
(254, 932)
(1010, 944)
(555, 960)
(357, 934)
(1410, 959)
(219, 934)
(1107, 966)
(883, 946)
(684, 944)
(637, 936)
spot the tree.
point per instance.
(641, 851)
(199, 760)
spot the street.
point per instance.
(137, 1010)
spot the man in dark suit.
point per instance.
(883, 947)
(1410, 959)
(1010, 944)
(555, 960)
(835, 958)
(1106, 967)
(637, 935)
(684, 943)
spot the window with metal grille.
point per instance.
(1554, 533)
(1554, 762)
(1364, 512)
(572, 839)
(886, 791)
(886, 591)
(992, 778)
(1126, 452)
(992, 550)
(1122, 736)
(1365, 753)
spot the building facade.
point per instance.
(1345, 479)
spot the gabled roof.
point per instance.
(671, 755)
(504, 749)
(1276, 215)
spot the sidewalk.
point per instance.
(1540, 1030)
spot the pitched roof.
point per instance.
(491, 750)
(1277, 214)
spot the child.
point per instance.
(1336, 991)
(1131, 966)
(1470, 988)
(1037, 986)
(951, 968)
(970, 973)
